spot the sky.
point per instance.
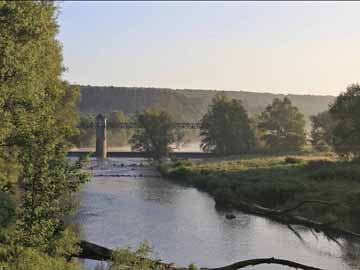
(278, 47)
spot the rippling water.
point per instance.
(124, 205)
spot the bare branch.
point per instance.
(243, 264)
(285, 211)
(96, 252)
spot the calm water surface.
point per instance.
(183, 227)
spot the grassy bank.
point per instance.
(279, 182)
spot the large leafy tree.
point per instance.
(346, 112)
(156, 133)
(282, 126)
(38, 117)
(322, 131)
(226, 128)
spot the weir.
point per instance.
(101, 151)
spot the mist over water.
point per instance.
(193, 146)
(183, 226)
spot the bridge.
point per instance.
(101, 151)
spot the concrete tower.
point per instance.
(101, 143)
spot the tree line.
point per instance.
(227, 129)
(338, 128)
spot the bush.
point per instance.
(334, 171)
(353, 200)
(7, 210)
(20, 258)
(192, 266)
(127, 258)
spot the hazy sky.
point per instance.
(280, 47)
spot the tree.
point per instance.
(226, 128)
(38, 117)
(346, 111)
(282, 126)
(156, 133)
(322, 131)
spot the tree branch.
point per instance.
(243, 264)
(285, 211)
(96, 252)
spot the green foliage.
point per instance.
(14, 256)
(322, 131)
(87, 135)
(32, 259)
(345, 111)
(282, 126)
(49, 182)
(7, 209)
(226, 128)
(156, 134)
(192, 266)
(272, 182)
(127, 258)
(38, 118)
(341, 171)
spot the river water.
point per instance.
(127, 202)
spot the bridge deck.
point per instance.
(194, 155)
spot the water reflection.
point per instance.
(183, 226)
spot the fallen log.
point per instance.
(243, 264)
(284, 211)
(96, 252)
(284, 217)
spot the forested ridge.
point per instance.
(185, 104)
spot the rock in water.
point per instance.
(230, 216)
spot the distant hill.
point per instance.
(185, 104)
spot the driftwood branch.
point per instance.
(243, 264)
(307, 202)
(285, 217)
(95, 252)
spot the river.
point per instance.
(127, 202)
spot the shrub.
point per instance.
(192, 266)
(7, 210)
(127, 258)
(334, 171)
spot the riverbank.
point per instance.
(279, 182)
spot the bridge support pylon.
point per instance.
(101, 141)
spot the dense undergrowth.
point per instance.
(279, 182)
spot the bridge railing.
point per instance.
(131, 125)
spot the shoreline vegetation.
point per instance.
(315, 190)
